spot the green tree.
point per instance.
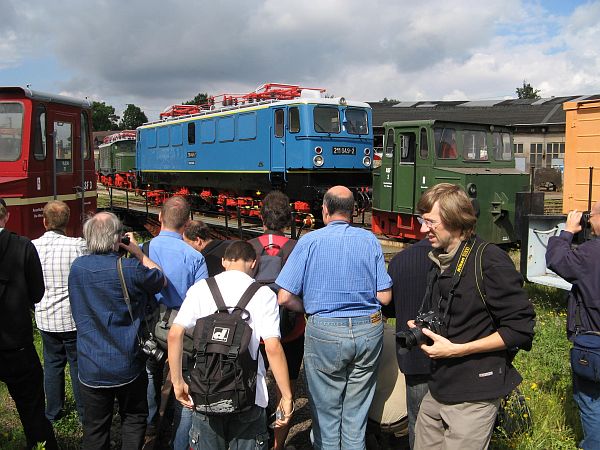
(200, 99)
(527, 91)
(389, 101)
(133, 117)
(103, 117)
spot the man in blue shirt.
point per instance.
(183, 267)
(337, 276)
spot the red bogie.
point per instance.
(396, 225)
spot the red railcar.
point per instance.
(45, 154)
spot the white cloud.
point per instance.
(153, 53)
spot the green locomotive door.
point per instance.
(404, 171)
(385, 176)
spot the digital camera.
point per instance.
(151, 348)
(585, 220)
(414, 336)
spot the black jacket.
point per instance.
(408, 270)
(21, 286)
(581, 267)
(482, 376)
(213, 254)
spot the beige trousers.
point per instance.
(458, 426)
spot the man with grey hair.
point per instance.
(21, 286)
(53, 314)
(110, 356)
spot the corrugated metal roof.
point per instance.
(502, 112)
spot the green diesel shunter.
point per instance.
(419, 154)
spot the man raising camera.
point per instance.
(480, 321)
(109, 331)
(580, 267)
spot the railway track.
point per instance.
(139, 215)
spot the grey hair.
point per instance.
(102, 231)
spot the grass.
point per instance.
(546, 386)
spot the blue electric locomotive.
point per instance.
(278, 137)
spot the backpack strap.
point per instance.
(247, 295)
(286, 249)
(146, 248)
(216, 293)
(479, 283)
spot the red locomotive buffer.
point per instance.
(45, 154)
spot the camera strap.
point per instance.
(126, 295)
(467, 247)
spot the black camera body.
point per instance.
(414, 336)
(125, 240)
(150, 347)
(585, 220)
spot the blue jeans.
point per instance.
(60, 348)
(587, 396)
(243, 431)
(416, 388)
(341, 357)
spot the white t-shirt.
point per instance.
(263, 309)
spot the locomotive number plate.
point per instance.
(344, 150)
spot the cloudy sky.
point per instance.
(154, 53)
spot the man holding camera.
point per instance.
(581, 267)
(479, 323)
(109, 331)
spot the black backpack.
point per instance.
(223, 379)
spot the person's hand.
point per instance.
(441, 347)
(573, 224)
(182, 394)
(287, 406)
(411, 324)
(133, 247)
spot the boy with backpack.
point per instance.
(228, 391)
(272, 251)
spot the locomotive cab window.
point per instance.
(356, 121)
(294, 118)
(279, 122)
(11, 131)
(63, 146)
(423, 144)
(475, 145)
(445, 143)
(39, 143)
(326, 119)
(502, 148)
(407, 147)
(389, 144)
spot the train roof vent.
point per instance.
(310, 93)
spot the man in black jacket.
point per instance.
(408, 270)
(483, 320)
(580, 267)
(21, 286)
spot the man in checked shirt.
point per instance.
(53, 314)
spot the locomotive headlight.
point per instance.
(367, 161)
(367, 151)
(318, 150)
(472, 190)
(318, 160)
